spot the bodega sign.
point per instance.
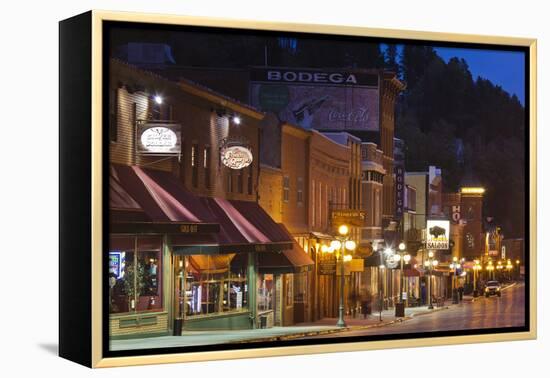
(437, 234)
(308, 77)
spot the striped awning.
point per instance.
(243, 227)
(147, 200)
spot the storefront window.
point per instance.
(266, 291)
(135, 281)
(215, 284)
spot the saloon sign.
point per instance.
(154, 138)
(437, 235)
(235, 154)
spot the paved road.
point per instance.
(492, 312)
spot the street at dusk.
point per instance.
(261, 196)
(493, 312)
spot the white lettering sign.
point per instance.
(437, 235)
(308, 77)
(236, 157)
(159, 139)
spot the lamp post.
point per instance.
(380, 300)
(341, 243)
(518, 270)
(403, 257)
(509, 268)
(476, 267)
(499, 270)
(454, 266)
(430, 263)
(491, 269)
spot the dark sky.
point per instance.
(504, 68)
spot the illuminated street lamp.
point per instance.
(455, 265)
(381, 269)
(430, 263)
(491, 269)
(404, 258)
(509, 268)
(476, 268)
(499, 269)
(340, 244)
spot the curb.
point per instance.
(338, 330)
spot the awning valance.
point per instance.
(293, 260)
(243, 227)
(163, 202)
(196, 225)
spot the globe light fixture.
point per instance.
(158, 99)
(402, 246)
(343, 230)
(336, 244)
(407, 258)
(350, 245)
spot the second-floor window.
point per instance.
(250, 179)
(195, 165)
(300, 191)
(286, 188)
(229, 181)
(113, 115)
(206, 166)
(240, 183)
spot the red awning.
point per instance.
(293, 260)
(244, 227)
(240, 226)
(163, 202)
(119, 199)
(159, 194)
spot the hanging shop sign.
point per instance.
(235, 154)
(327, 266)
(158, 138)
(437, 235)
(350, 217)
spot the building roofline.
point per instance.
(200, 90)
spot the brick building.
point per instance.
(190, 248)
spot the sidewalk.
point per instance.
(373, 320)
(321, 327)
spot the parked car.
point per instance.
(492, 288)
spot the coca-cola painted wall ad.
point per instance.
(322, 100)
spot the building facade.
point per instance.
(190, 247)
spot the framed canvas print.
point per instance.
(234, 189)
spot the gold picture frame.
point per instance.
(91, 24)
